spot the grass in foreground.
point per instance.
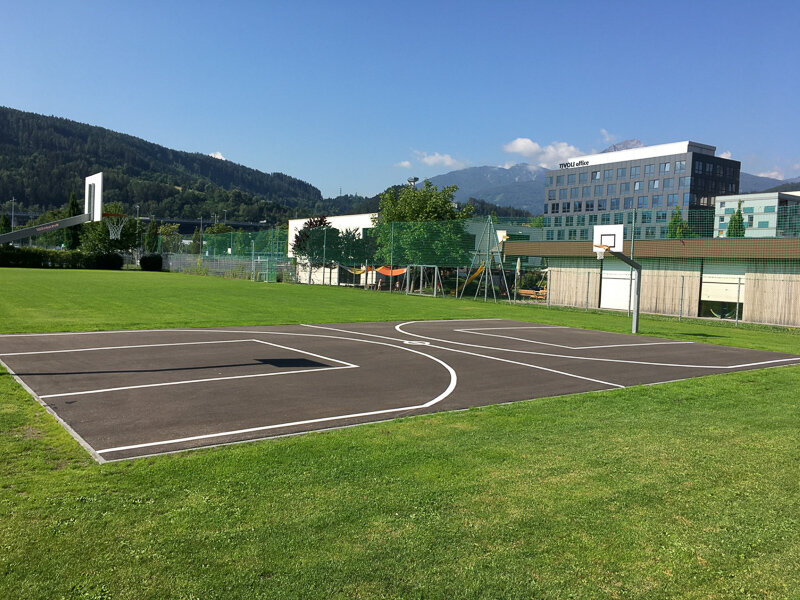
(687, 489)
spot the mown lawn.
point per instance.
(689, 489)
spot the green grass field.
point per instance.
(689, 489)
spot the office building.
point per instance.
(639, 188)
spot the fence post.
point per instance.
(680, 314)
(549, 290)
(738, 296)
(253, 257)
(391, 261)
(588, 279)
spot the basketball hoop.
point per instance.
(115, 223)
(600, 250)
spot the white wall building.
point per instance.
(762, 213)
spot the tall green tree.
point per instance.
(5, 223)
(311, 242)
(151, 237)
(170, 238)
(422, 226)
(72, 235)
(736, 224)
(677, 228)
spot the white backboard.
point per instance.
(93, 196)
(609, 235)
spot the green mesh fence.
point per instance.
(709, 263)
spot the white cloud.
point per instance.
(544, 156)
(406, 164)
(775, 174)
(796, 167)
(726, 154)
(608, 138)
(436, 159)
(218, 155)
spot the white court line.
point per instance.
(505, 360)
(436, 400)
(121, 347)
(345, 365)
(509, 337)
(400, 329)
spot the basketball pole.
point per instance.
(637, 289)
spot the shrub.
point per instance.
(151, 262)
(109, 261)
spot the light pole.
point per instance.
(12, 212)
(138, 231)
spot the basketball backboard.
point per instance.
(93, 197)
(612, 236)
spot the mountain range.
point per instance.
(522, 185)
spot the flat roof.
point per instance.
(639, 154)
(761, 248)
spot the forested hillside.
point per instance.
(43, 159)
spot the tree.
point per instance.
(310, 243)
(170, 238)
(422, 226)
(95, 238)
(536, 222)
(72, 235)
(5, 223)
(151, 237)
(677, 228)
(736, 224)
(195, 246)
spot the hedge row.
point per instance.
(40, 258)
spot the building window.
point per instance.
(646, 217)
(577, 206)
(709, 169)
(672, 199)
(573, 193)
(562, 194)
(621, 172)
(618, 218)
(629, 218)
(656, 201)
(559, 180)
(763, 224)
(611, 188)
(557, 221)
(565, 207)
(649, 170)
(624, 188)
(669, 183)
(583, 177)
(685, 182)
(637, 186)
(551, 194)
(608, 174)
(546, 221)
(595, 175)
(627, 203)
(584, 234)
(573, 235)
(698, 168)
(687, 199)
(663, 168)
(635, 172)
(653, 184)
(549, 235)
(546, 206)
(589, 205)
(586, 191)
(580, 220)
(592, 219)
(650, 233)
(730, 211)
(749, 220)
(605, 219)
(550, 180)
(598, 190)
(569, 220)
(571, 179)
(560, 235)
(554, 208)
(661, 216)
(767, 208)
(662, 232)
(641, 202)
(614, 204)
(601, 204)
(680, 166)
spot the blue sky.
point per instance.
(362, 95)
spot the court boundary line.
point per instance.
(344, 365)
(508, 337)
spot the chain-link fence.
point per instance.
(695, 264)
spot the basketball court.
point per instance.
(126, 394)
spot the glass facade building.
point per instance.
(639, 188)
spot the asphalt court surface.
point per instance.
(125, 394)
